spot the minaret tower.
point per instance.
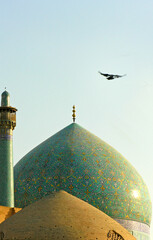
(7, 125)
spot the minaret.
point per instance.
(7, 125)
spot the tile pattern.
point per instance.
(80, 163)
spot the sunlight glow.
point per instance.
(135, 193)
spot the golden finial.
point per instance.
(73, 115)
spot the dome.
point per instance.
(78, 162)
(5, 99)
(54, 217)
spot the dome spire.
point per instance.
(73, 115)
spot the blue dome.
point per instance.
(80, 163)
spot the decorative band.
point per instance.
(134, 226)
(6, 136)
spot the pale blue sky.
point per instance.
(50, 55)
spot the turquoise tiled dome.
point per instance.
(80, 163)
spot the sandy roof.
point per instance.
(62, 216)
(6, 212)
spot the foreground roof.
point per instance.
(6, 212)
(62, 216)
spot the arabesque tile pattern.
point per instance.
(82, 164)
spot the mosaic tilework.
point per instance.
(80, 163)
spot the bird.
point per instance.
(111, 76)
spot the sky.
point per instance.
(50, 55)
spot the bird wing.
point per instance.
(118, 76)
(105, 74)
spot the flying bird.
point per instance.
(111, 76)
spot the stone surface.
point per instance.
(62, 216)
